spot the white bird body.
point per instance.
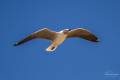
(59, 39)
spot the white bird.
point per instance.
(58, 38)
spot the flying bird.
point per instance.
(58, 38)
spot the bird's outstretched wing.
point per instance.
(82, 33)
(42, 33)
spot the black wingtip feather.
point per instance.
(15, 44)
(97, 40)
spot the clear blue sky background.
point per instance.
(76, 59)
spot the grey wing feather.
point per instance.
(83, 33)
(43, 34)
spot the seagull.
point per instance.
(58, 38)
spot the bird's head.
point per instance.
(65, 31)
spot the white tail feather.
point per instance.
(51, 48)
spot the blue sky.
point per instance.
(76, 59)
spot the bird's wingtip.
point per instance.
(15, 44)
(97, 40)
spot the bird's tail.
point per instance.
(51, 48)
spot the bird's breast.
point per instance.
(59, 39)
